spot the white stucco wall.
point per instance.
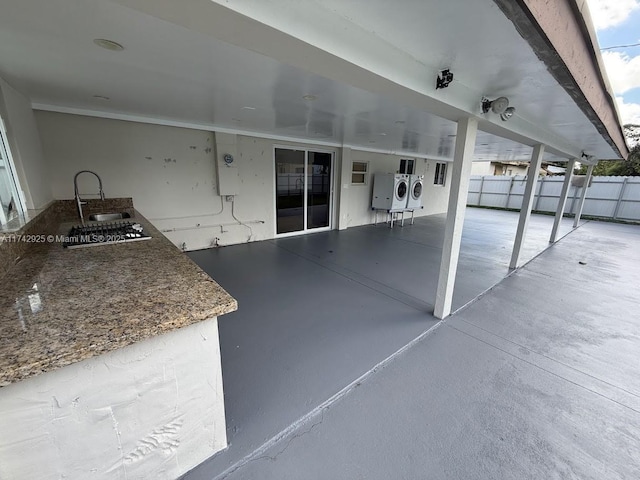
(170, 173)
(482, 168)
(26, 150)
(154, 409)
(435, 197)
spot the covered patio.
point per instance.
(318, 312)
(536, 379)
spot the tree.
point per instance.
(623, 168)
(632, 133)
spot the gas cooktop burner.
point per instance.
(104, 234)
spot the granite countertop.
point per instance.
(60, 306)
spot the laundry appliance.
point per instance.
(416, 188)
(390, 191)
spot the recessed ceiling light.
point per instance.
(382, 134)
(101, 97)
(108, 44)
(310, 98)
(248, 108)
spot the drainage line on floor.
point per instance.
(515, 270)
(335, 268)
(319, 410)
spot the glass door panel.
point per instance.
(318, 189)
(10, 202)
(290, 188)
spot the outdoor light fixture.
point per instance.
(507, 114)
(445, 77)
(497, 106)
(587, 158)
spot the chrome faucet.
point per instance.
(79, 201)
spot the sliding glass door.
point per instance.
(304, 180)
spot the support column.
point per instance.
(562, 201)
(460, 174)
(527, 203)
(583, 195)
(345, 181)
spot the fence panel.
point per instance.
(475, 185)
(629, 208)
(607, 197)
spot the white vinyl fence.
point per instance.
(607, 197)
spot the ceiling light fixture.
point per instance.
(445, 77)
(248, 108)
(101, 97)
(108, 44)
(309, 97)
(497, 106)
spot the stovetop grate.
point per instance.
(104, 233)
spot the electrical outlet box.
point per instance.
(227, 179)
(228, 198)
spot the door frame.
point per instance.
(332, 189)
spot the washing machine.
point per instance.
(416, 188)
(390, 191)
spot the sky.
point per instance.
(617, 22)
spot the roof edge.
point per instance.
(562, 36)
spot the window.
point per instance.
(407, 166)
(441, 173)
(10, 201)
(359, 171)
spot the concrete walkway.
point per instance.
(319, 312)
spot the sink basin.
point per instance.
(108, 217)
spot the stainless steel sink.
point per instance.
(108, 217)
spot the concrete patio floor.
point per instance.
(318, 312)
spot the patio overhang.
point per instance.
(370, 67)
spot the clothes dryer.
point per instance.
(390, 191)
(416, 188)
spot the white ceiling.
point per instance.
(171, 73)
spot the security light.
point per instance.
(445, 77)
(507, 114)
(497, 106)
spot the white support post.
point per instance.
(583, 195)
(460, 175)
(527, 203)
(345, 181)
(562, 201)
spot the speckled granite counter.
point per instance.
(60, 306)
